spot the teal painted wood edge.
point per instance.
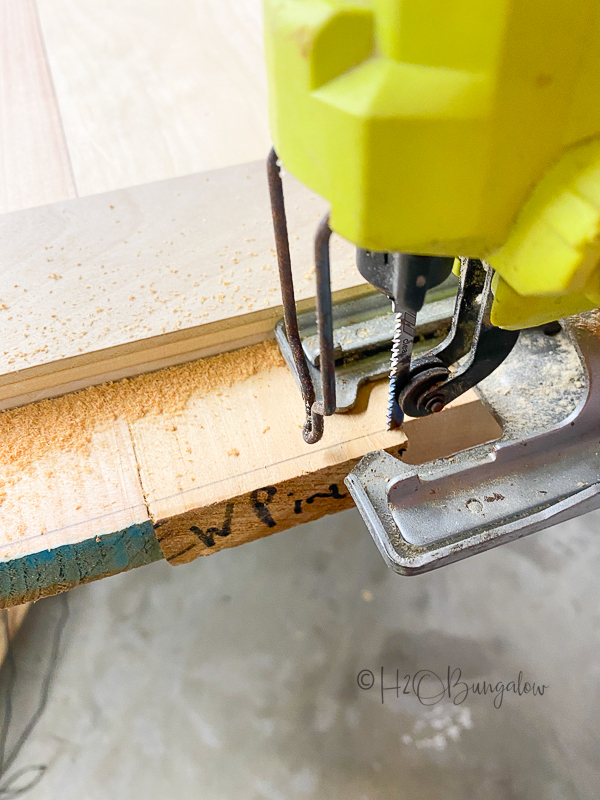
(49, 572)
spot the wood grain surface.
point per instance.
(209, 453)
(34, 162)
(85, 494)
(153, 89)
(65, 517)
(103, 287)
(232, 466)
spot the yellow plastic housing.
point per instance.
(450, 127)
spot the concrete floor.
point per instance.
(235, 677)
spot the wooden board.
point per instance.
(209, 453)
(68, 514)
(14, 620)
(232, 467)
(108, 286)
(34, 162)
(90, 496)
(153, 89)
(64, 519)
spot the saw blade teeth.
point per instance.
(391, 421)
(404, 331)
(392, 410)
(396, 342)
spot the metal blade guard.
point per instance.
(544, 470)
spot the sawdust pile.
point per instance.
(67, 423)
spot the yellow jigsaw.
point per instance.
(449, 132)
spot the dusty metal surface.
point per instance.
(443, 375)
(363, 331)
(545, 469)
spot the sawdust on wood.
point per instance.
(67, 423)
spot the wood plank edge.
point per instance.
(257, 513)
(307, 497)
(46, 573)
(15, 618)
(57, 378)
